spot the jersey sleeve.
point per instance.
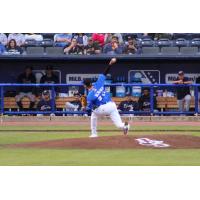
(89, 104)
(100, 81)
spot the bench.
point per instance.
(171, 103)
(163, 103)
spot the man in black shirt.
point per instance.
(131, 47)
(92, 47)
(49, 77)
(183, 93)
(73, 48)
(26, 91)
(145, 101)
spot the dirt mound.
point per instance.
(118, 142)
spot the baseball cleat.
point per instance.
(93, 136)
(126, 128)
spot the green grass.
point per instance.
(67, 157)
(99, 157)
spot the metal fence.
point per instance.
(151, 87)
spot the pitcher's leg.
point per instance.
(116, 119)
(94, 125)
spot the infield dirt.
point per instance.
(115, 142)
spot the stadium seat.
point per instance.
(189, 50)
(47, 43)
(54, 51)
(147, 43)
(48, 35)
(195, 42)
(150, 50)
(195, 35)
(164, 42)
(181, 35)
(35, 50)
(181, 42)
(30, 43)
(169, 50)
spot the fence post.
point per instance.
(2, 100)
(196, 100)
(53, 102)
(151, 100)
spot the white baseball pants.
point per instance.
(108, 109)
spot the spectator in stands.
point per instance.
(46, 103)
(73, 48)
(18, 37)
(108, 37)
(33, 36)
(62, 39)
(82, 39)
(114, 47)
(12, 48)
(145, 101)
(49, 77)
(183, 93)
(131, 47)
(26, 77)
(129, 104)
(2, 49)
(98, 37)
(3, 39)
(92, 47)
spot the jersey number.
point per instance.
(100, 97)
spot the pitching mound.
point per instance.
(118, 142)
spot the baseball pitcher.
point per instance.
(99, 103)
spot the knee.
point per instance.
(188, 98)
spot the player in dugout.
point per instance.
(99, 103)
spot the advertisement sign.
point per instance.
(144, 76)
(78, 78)
(169, 78)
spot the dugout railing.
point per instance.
(52, 87)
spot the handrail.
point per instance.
(113, 84)
(52, 87)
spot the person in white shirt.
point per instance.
(33, 36)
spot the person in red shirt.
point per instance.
(98, 37)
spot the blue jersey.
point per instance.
(97, 95)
